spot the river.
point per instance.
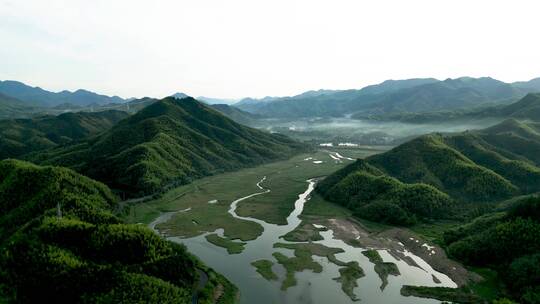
(311, 287)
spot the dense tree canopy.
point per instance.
(60, 243)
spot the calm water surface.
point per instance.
(311, 287)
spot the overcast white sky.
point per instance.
(233, 48)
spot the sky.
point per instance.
(233, 49)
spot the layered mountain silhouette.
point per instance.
(412, 95)
(43, 98)
(526, 108)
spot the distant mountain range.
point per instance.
(394, 96)
(212, 101)
(208, 100)
(526, 108)
(391, 97)
(171, 141)
(42, 98)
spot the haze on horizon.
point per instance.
(245, 48)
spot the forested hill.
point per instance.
(526, 108)
(60, 243)
(21, 136)
(171, 141)
(427, 172)
(13, 107)
(236, 114)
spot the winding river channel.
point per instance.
(312, 287)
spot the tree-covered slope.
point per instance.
(378, 197)
(21, 136)
(236, 114)
(526, 108)
(232, 112)
(517, 139)
(506, 240)
(170, 141)
(429, 159)
(488, 165)
(60, 243)
(12, 107)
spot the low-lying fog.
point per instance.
(364, 132)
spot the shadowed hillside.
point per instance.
(21, 136)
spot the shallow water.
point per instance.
(311, 287)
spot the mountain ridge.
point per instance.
(44, 98)
(391, 96)
(21, 136)
(169, 141)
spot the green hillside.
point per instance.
(526, 108)
(169, 142)
(516, 139)
(379, 197)
(438, 172)
(429, 159)
(21, 136)
(60, 243)
(236, 114)
(233, 113)
(507, 241)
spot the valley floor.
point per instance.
(202, 207)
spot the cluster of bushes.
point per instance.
(508, 242)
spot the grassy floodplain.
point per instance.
(264, 268)
(383, 269)
(285, 179)
(232, 247)
(348, 278)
